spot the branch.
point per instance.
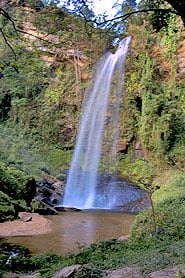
(6, 41)
(127, 15)
(17, 30)
(5, 14)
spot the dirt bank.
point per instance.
(28, 224)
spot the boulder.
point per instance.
(25, 216)
(49, 195)
(167, 273)
(68, 271)
(128, 272)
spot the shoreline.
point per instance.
(35, 225)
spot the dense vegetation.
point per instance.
(41, 89)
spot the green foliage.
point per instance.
(177, 155)
(170, 221)
(7, 210)
(147, 247)
(17, 189)
(173, 187)
(19, 77)
(38, 262)
(159, 18)
(29, 154)
(42, 97)
(98, 258)
(169, 211)
(16, 183)
(157, 109)
(3, 259)
(138, 170)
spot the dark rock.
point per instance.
(120, 194)
(122, 148)
(65, 209)
(46, 209)
(50, 194)
(47, 179)
(128, 197)
(159, 231)
(45, 170)
(136, 206)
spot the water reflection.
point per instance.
(71, 230)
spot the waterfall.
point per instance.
(100, 109)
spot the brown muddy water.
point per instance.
(73, 230)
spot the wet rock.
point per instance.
(65, 209)
(68, 271)
(136, 206)
(58, 187)
(120, 194)
(46, 209)
(128, 272)
(112, 192)
(49, 194)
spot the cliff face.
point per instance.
(55, 49)
(56, 57)
(153, 114)
(181, 58)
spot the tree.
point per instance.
(179, 7)
(84, 8)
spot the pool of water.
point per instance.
(72, 230)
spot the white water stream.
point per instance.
(100, 109)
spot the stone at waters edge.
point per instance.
(25, 216)
(66, 209)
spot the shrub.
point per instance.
(16, 183)
(7, 210)
(170, 221)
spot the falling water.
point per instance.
(100, 108)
